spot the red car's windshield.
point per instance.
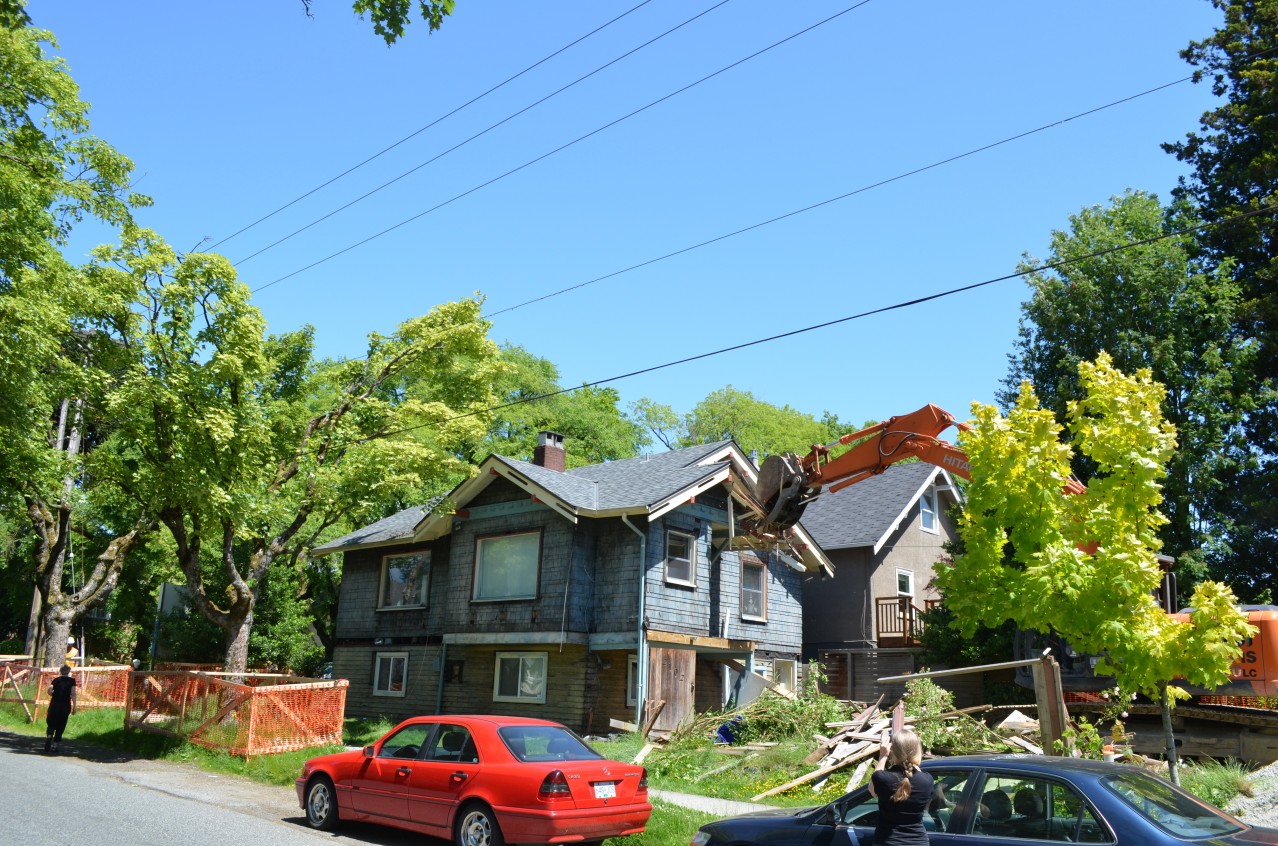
(546, 743)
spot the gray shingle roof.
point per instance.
(628, 483)
(398, 526)
(862, 514)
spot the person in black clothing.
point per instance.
(904, 791)
(61, 706)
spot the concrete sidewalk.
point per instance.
(709, 804)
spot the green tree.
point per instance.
(1024, 537)
(242, 453)
(389, 17)
(1235, 171)
(1155, 306)
(588, 417)
(55, 363)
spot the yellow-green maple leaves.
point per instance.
(1084, 565)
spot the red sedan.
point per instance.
(481, 780)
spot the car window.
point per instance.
(405, 743)
(1032, 807)
(1169, 808)
(453, 743)
(862, 809)
(546, 743)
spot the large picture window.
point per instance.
(390, 674)
(681, 558)
(506, 566)
(404, 580)
(754, 588)
(520, 677)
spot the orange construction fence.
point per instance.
(243, 714)
(95, 687)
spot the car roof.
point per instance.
(1035, 763)
(497, 720)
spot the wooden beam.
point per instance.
(701, 641)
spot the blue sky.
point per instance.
(233, 109)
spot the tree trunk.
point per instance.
(33, 644)
(237, 642)
(1169, 739)
(57, 628)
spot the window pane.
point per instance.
(752, 590)
(680, 553)
(507, 567)
(508, 677)
(927, 508)
(520, 677)
(905, 583)
(405, 743)
(404, 580)
(391, 675)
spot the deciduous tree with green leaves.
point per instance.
(243, 454)
(1024, 538)
(1155, 306)
(1235, 171)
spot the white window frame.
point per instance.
(786, 671)
(521, 657)
(389, 658)
(909, 575)
(479, 563)
(929, 517)
(691, 580)
(632, 680)
(382, 604)
(754, 563)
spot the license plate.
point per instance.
(605, 790)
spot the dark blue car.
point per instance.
(997, 799)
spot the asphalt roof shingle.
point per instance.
(861, 514)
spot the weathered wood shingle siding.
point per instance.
(616, 580)
(357, 614)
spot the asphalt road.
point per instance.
(91, 797)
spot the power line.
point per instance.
(481, 133)
(844, 196)
(562, 147)
(437, 120)
(1055, 265)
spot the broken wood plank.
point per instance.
(654, 711)
(857, 775)
(1024, 744)
(726, 766)
(643, 753)
(804, 779)
(622, 726)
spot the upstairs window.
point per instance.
(754, 589)
(404, 580)
(681, 558)
(506, 567)
(927, 510)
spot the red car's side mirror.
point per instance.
(368, 752)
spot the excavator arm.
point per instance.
(787, 482)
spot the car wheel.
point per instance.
(476, 826)
(321, 804)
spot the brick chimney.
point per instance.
(550, 451)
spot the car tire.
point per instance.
(321, 804)
(477, 826)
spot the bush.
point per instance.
(1215, 782)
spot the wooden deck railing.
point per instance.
(898, 620)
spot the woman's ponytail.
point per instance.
(903, 789)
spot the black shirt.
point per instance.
(901, 823)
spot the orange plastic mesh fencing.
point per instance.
(95, 687)
(1083, 696)
(243, 714)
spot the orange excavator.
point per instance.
(787, 483)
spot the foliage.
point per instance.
(988, 645)
(1216, 782)
(389, 17)
(927, 702)
(1235, 171)
(755, 425)
(1156, 307)
(594, 428)
(1083, 739)
(1024, 536)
